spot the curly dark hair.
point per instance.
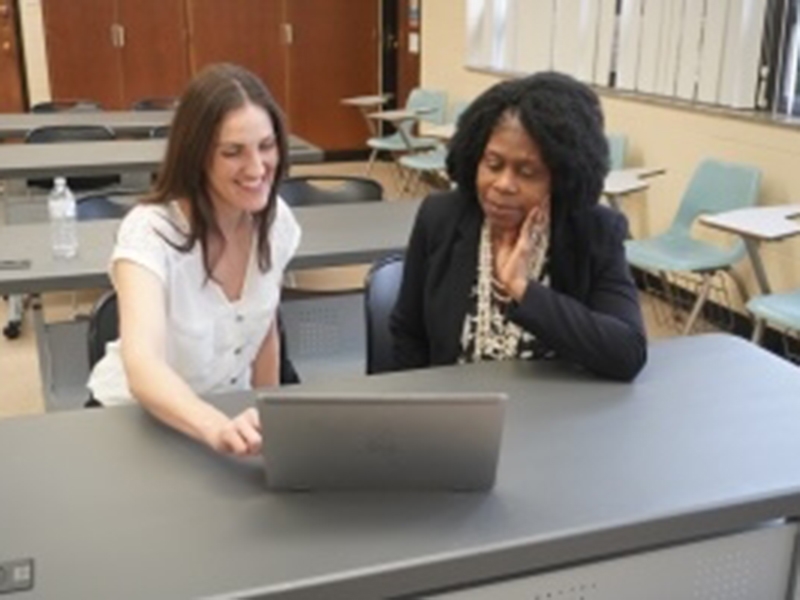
(565, 120)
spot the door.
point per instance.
(246, 32)
(154, 56)
(11, 91)
(83, 61)
(333, 54)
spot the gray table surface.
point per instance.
(111, 504)
(18, 161)
(332, 235)
(121, 121)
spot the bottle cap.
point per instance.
(60, 181)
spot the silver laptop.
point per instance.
(419, 441)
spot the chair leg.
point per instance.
(705, 287)
(758, 331)
(740, 286)
(373, 155)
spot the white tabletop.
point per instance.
(367, 101)
(763, 223)
(123, 121)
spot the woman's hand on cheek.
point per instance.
(512, 255)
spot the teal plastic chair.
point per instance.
(432, 105)
(432, 161)
(617, 149)
(715, 187)
(781, 309)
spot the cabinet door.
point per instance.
(10, 64)
(82, 59)
(246, 32)
(154, 56)
(333, 55)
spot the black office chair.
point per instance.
(160, 132)
(66, 106)
(313, 190)
(104, 328)
(380, 294)
(54, 134)
(97, 207)
(163, 103)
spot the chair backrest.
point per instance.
(160, 132)
(66, 106)
(54, 134)
(103, 326)
(380, 294)
(165, 103)
(434, 102)
(98, 207)
(324, 189)
(457, 110)
(617, 149)
(716, 186)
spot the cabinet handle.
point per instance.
(121, 36)
(288, 34)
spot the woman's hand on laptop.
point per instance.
(239, 436)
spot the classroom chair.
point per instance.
(310, 190)
(380, 294)
(431, 104)
(715, 187)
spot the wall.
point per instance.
(673, 138)
(35, 52)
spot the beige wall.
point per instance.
(35, 52)
(675, 139)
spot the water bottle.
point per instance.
(63, 226)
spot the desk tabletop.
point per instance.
(18, 161)
(367, 101)
(123, 121)
(110, 504)
(762, 223)
(332, 235)
(398, 115)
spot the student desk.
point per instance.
(20, 161)
(110, 504)
(755, 225)
(332, 235)
(132, 122)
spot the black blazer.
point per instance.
(588, 315)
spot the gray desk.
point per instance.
(332, 235)
(20, 161)
(112, 505)
(134, 122)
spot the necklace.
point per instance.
(502, 340)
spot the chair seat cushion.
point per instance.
(671, 252)
(394, 143)
(427, 161)
(783, 308)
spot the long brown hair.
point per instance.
(212, 94)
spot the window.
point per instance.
(734, 53)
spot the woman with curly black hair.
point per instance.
(520, 260)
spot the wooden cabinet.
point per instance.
(115, 51)
(310, 53)
(11, 99)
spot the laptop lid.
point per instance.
(419, 441)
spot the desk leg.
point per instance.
(758, 266)
(613, 202)
(42, 350)
(371, 124)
